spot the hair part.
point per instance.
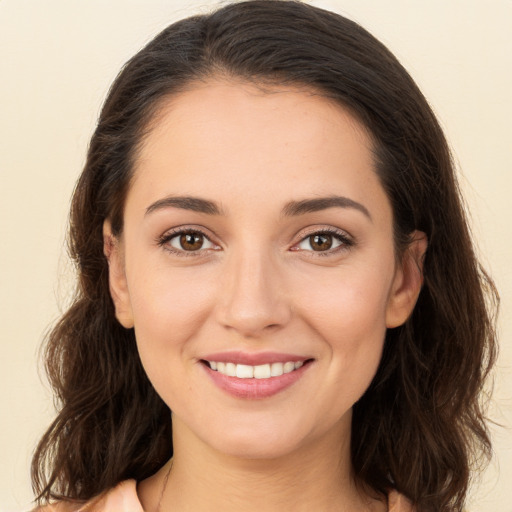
(420, 425)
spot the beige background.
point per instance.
(57, 59)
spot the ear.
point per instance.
(118, 285)
(407, 282)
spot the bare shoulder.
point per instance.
(122, 498)
(399, 503)
(60, 506)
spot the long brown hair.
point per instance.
(420, 426)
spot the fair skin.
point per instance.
(257, 276)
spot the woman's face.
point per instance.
(257, 266)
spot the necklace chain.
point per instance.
(164, 487)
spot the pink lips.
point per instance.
(254, 388)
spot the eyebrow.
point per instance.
(195, 204)
(291, 209)
(323, 203)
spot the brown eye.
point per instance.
(190, 241)
(322, 242)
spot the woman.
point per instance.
(271, 245)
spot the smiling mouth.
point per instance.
(262, 371)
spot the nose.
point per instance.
(252, 298)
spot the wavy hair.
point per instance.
(420, 426)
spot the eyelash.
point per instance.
(164, 240)
(346, 242)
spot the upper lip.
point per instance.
(253, 359)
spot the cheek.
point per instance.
(348, 312)
(346, 302)
(169, 302)
(168, 310)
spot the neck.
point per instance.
(316, 477)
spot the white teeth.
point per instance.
(244, 371)
(262, 371)
(230, 369)
(288, 367)
(276, 369)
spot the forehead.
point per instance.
(233, 109)
(234, 139)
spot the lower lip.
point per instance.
(255, 388)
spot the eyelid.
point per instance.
(164, 239)
(347, 240)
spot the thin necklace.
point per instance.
(159, 505)
(164, 487)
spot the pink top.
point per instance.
(123, 498)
